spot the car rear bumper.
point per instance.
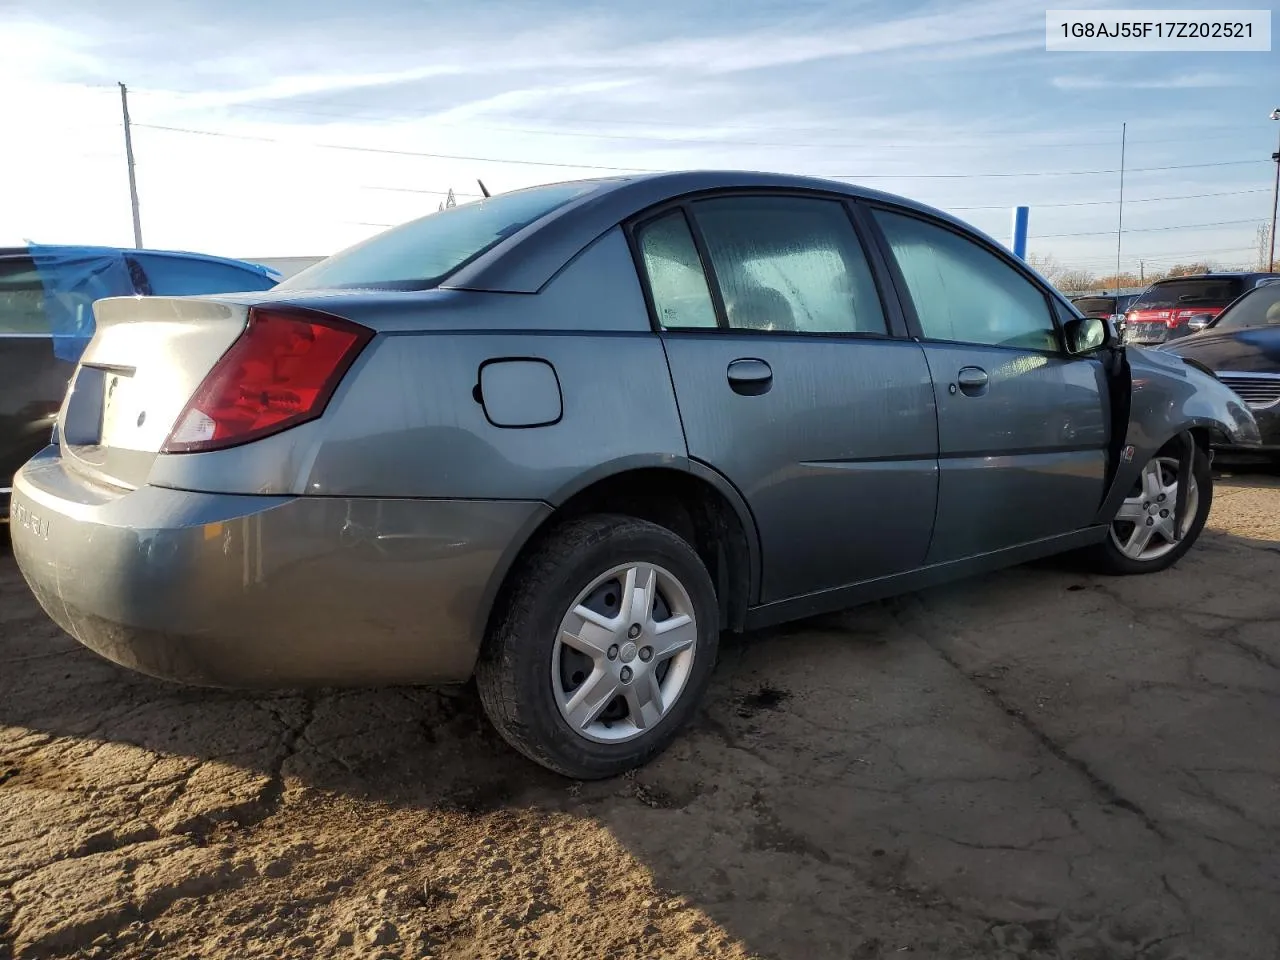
(256, 591)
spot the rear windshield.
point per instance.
(1213, 291)
(1261, 308)
(422, 253)
(1095, 305)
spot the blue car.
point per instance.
(46, 320)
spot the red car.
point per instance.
(1164, 310)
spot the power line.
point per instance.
(399, 153)
(593, 166)
(580, 121)
(1159, 258)
(437, 193)
(1181, 226)
(1101, 203)
(693, 141)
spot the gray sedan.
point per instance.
(559, 439)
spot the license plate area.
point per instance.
(99, 406)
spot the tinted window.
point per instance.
(1181, 293)
(422, 253)
(1259, 309)
(676, 280)
(1095, 306)
(21, 298)
(184, 276)
(963, 292)
(789, 264)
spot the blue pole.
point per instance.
(1020, 217)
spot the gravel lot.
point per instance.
(1037, 763)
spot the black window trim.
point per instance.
(1053, 299)
(895, 318)
(632, 229)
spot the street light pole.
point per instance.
(1275, 198)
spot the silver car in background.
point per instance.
(559, 439)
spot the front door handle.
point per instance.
(973, 381)
(750, 377)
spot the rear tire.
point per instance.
(565, 688)
(1111, 557)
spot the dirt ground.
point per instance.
(1038, 763)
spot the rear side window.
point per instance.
(789, 264)
(676, 280)
(422, 253)
(965, 293)
(1181, 293)
(21, 299)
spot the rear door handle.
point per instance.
(749, 377)
(973, 381)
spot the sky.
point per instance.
(291, 128)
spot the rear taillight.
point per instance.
(279, 373)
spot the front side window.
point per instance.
(789, 264)
(681, 297)
(965, 293)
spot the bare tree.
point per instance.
(1188, 269)
(1046, 264)
(1076, 281)
(1119, 282)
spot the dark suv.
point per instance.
(46, 320)
(1164, 310)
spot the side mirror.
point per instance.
(1087, 335)
(1199, 322)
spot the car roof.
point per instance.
(1223, 275)
(527, 260)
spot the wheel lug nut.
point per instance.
(625, 675)
(1146, 506)
(634, 631)
(613, 652)
(1164, 513)
(646, 654)
(1161, 498)
(1150, 521)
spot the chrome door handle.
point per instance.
(972, 380)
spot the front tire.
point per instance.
(602, 648)
(1140, 539)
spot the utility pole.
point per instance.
(133, 180)
(1142, 271)
(1120, 224)
(1275, 198)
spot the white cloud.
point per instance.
(1182, 81)
(862, 88)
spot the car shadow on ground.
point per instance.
(1036, 763)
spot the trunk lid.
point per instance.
(147, 357)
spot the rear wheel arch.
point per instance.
(690, 500)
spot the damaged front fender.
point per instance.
(1168, 398)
